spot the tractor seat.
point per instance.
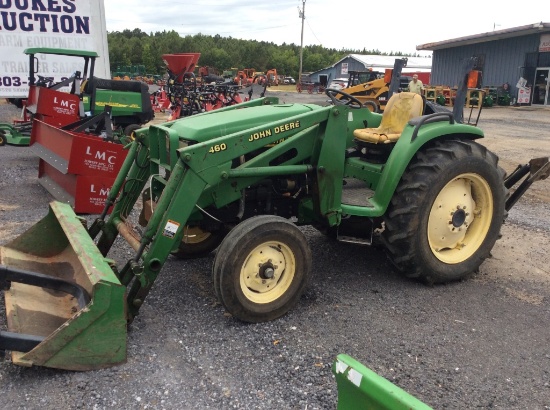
(400, 109)
(115, 85)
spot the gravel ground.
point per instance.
(479, 343)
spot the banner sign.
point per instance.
(544, 45)
(344, 68)
(68, 24)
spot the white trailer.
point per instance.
(67, 24)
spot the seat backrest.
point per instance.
(401, 108)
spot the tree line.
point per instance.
(135, 47)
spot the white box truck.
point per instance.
(67, 24)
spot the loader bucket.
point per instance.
(65, 307)
(181, 63)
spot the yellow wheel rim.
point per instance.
(267, 272)
(194, 235)
(460, 218)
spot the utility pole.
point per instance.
(302, 15)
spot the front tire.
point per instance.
(372, 106)
(130, 129)
(262, 268)
(446, 213)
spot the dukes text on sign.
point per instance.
(67, 24)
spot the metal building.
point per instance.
(361, 62)
(516, 58)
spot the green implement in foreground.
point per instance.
(240, 180)
(359, 388)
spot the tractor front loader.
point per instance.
(241, 180)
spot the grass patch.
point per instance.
(286, 88)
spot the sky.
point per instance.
(387, 26)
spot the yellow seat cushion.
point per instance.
(400, 109)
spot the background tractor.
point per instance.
(272, 77)
(242, 179)
(378, 87)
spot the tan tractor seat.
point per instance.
(400, 109)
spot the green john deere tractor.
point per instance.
(242, 179)
(81, 99)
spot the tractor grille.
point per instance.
(164, 143)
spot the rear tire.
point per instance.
(446, 213)
(197, 243)
(3, 139)
(262, 268)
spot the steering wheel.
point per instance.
(347, 99)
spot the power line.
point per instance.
(312, 32)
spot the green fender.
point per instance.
(417, 133)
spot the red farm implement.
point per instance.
(76, 167)
(186, 94)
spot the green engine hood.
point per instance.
(204, 127)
